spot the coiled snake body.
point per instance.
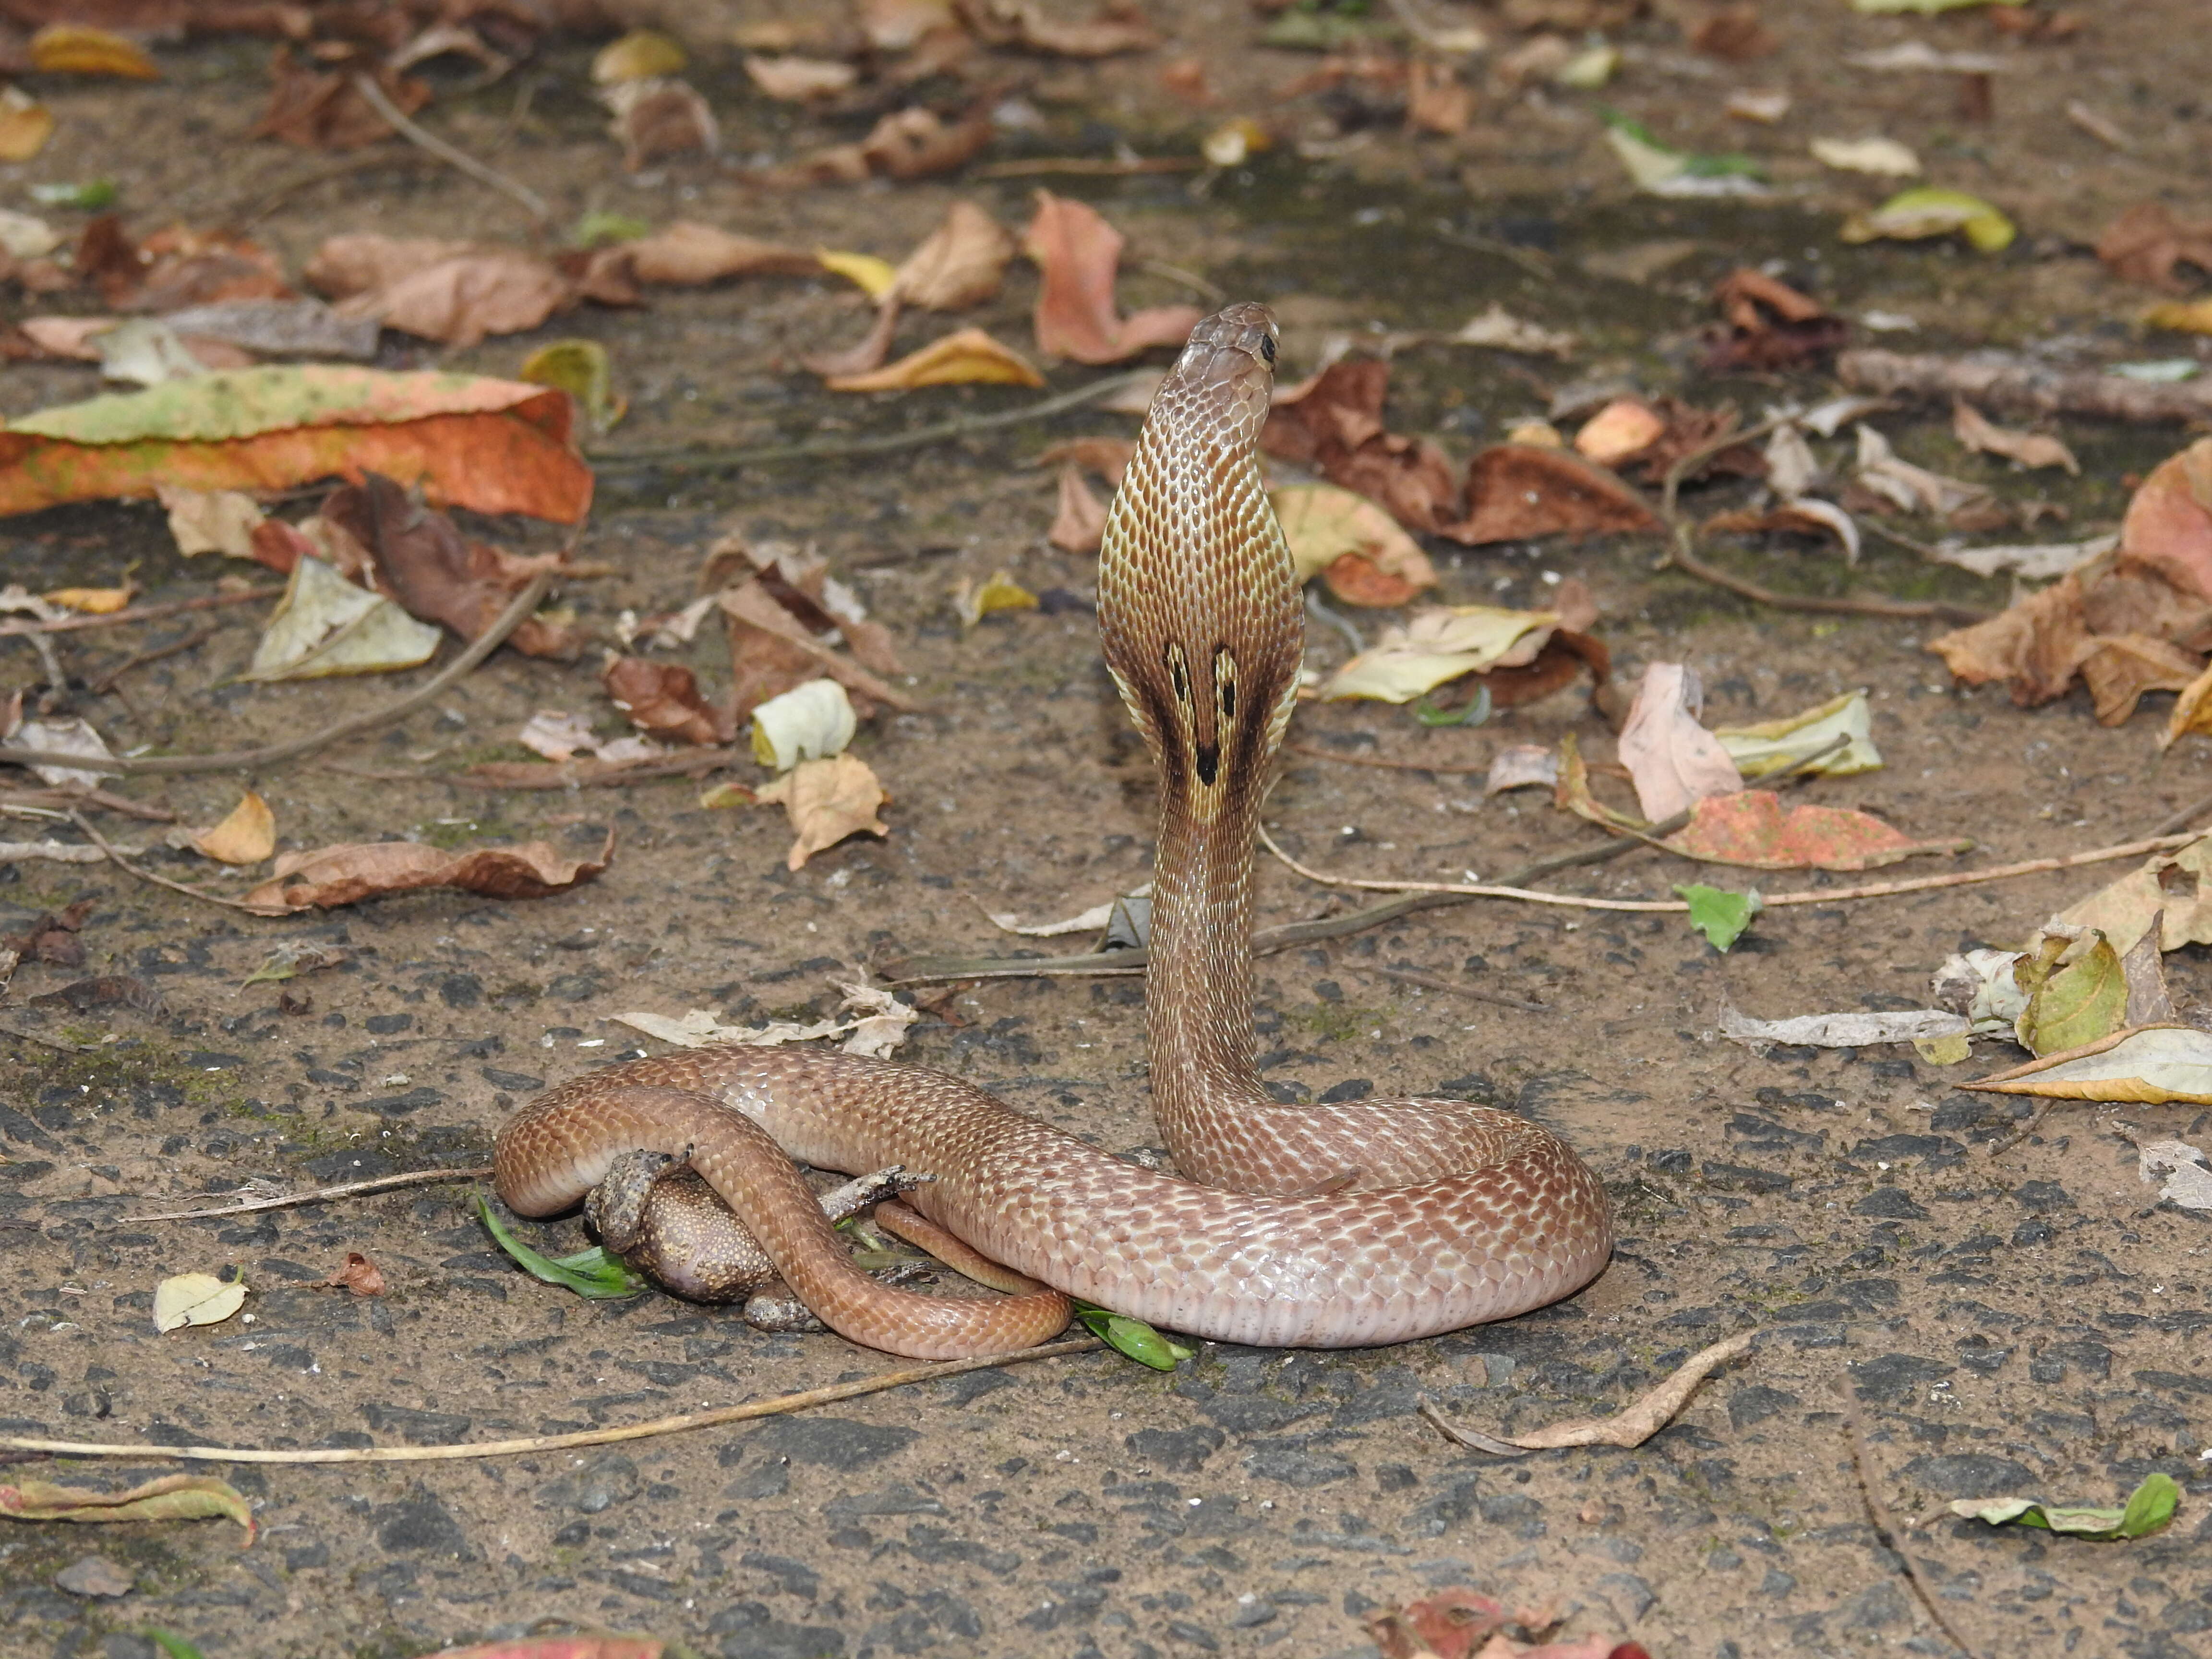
(1324, 1226)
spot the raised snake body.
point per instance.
(1323, 1226)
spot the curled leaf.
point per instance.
(332, 876)
(969, 357)
(812, 722)
(2152, 1065)
(2150, 1508)
(170, 1497)
(246, 837)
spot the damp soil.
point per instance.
(2015, 1313)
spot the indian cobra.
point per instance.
(1313, 1226)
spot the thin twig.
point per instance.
(255, 211)
(1885, 1523)
(2002, 1147)
(1804, 895)
(116, 857)
(2187, 816)
(317, 1195)
(518, 611)
(705, 460)
(144, 613)
(545, 1443)
(1094, 167)
(57, 803)
(1434, 984)
(373, 95)
(105, 682)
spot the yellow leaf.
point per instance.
(640, 55)
(826, 800)
(92, 601)
(2190, 317)
(166, 1497)
(970, 357)
(1438, 645)
(1001, 592)
(1944, 1050)
(25, 125)
(246, 837)
(73, 49)
(2150, 1066)
(872, 276)
(1790, 742)
(196, 1299)
(1323, 523)
(1914, 214)
(580, 369)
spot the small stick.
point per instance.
(2026, 1129)
(1886, 1525)
(56, 803)
(960, 427)
(2187, 816)
(1094, 167)
(116, 857)
(105, 682)
(545, 1443)
(144, 613)
(373, 95)
(317, 1195)
(1434, 984)
(483, 646)
(1910, 609)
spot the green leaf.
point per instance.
(1474, 715)
(591, 1272)
(1720, 915)
(91, 196)
(2150, 1506)
(597, 229)
(1133, 1337)
(173, 1645)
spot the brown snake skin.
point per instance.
(1324, 1226)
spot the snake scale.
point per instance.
(1373, 1221)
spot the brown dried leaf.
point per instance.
(170, 1497)
(1771, 325)
(452, 292)
(331, 876)
(826, 800)
(653, 118)
(1673, 761)
(360, 1275)
(688, 253)
(663, 700)
(2030, 449)
(2122, 668)
(1642, 1418)
(867, 353)
(1077, 253)
(914, 143)
(69, 48)
(1517, 492)
(1078, 525)
(2036, 645)
(2168, 527)
(1120, 26)
(433, 572)
(1334, 423)
(317, 109)
(959, 264)
(1735, 35)
(1436, 100)
(2145, 243)
(795, 80)
(772, 650)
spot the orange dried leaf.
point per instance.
(969, 357)
(74, 49)
(25, 126)
(961, 263)
(91, 601)
(246, 837)
(491, 446)
(1517, 492)
(1077, 253)
(826, 800)
(1753, 829)
(331, 876)
(360, 1275)
(688, 253)
(1619, 430)
(662, 700)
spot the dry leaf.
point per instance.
(1883, 157)
(812, 722)
(331, 876)
(2030, 449)
(1000, 592)
(1673, 760)
(1517, 492)
(25, 125)
(1623, 428)
(90, 601)
(1912, 489)
(1770, 324)
(325, 625)
(773, 647)
(687, 254)
(2173, 889)
(640, 55)
(969, 357)
(959, 264)
(1078, 524)
(826, 800)
(168, 1497)
(1642, 1418)
(1499, 328)
(321, 109)
(2151, 1066)
(196, 1299)
(1353, 544)
(795, 80)
(78, 49)
(2145, 243)
(1802, 516)
(360, 1275)
(1753, 830)
(872, 276)
(246, 837)
(662, 700)
(1436, 100)
(211, 520)
(1334, 423)
(1793, 743)
(653, 118)
(1434, 645)
(1078, 254)
(452, 293)
(2168, 526)
(1025, 24)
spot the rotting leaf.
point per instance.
(2178, 1170)
(826, 800)
(969, 357)
(1846, 1031)
(332, 876)
(491, 446)
(2150, 1508)
(1720, 915)
(170, 1497)
(185, 1299)
(1752, 830)
(1077, 253)
(878, 1026)
(246, 837)
(2152, 1065)
(595, 1274)
(2176, 886)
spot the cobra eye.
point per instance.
(1267, 350)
